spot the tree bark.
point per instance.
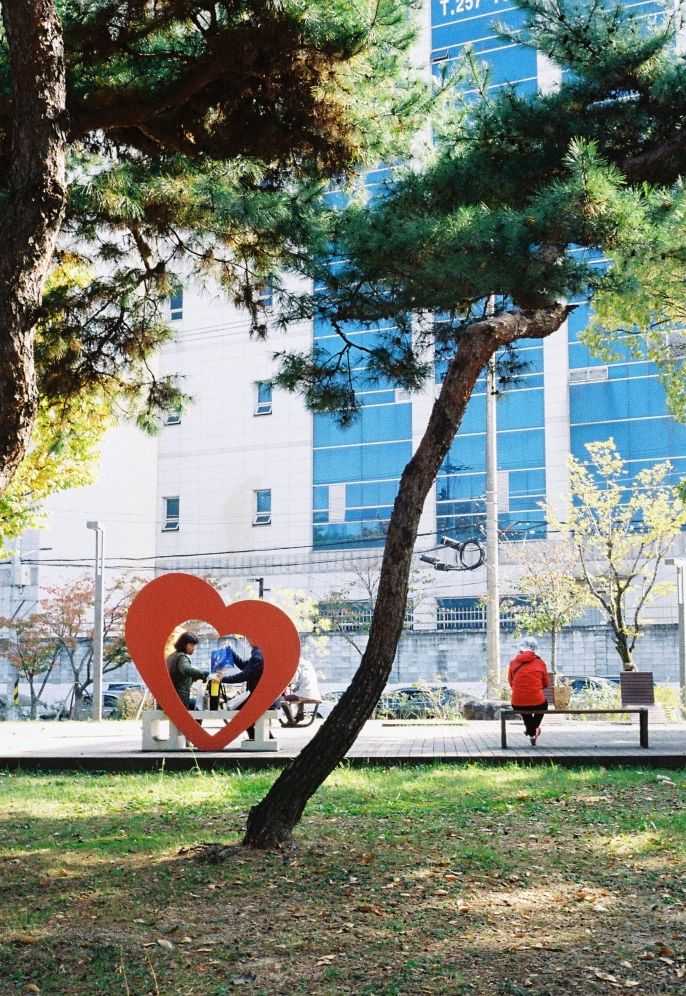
(35, 205)
(271, 822)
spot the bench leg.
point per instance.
(154, 740)
(643, 727)
(150, 732)
(503, 733)
(262, 739)
(177, 740)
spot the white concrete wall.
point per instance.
(221, 452)
(122, 500)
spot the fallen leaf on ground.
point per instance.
(605, 976)
(368, 908)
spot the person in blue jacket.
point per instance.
(249, 671)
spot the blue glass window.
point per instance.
(176, 306)
(265, 294)
(172, 514)
(264, 398)
(263, 508)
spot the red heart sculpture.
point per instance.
(171, 600)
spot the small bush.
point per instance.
(607, 697)
(427, 702)
(670, 700)
(129, 704)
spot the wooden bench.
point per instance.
(155, 739)
(506, 714)
(307, 720)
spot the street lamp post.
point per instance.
(98, 617)
(680, 564)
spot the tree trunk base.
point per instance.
(267, 832)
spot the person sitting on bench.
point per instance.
(181, 671)
(527, 677)
(249, 671)
(303, 689)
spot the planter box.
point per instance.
(637, 688)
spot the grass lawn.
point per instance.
(440, 879)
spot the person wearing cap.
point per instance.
(528, 676)
(181, 671)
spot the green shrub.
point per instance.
(670, 699)
(430, 702)
(606, 697)
(129, 704)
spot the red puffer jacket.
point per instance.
(528, 676)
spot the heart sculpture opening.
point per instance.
(168, 602)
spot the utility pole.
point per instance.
(98, 618)
(680, 565)
(492, 576)
(260, 587)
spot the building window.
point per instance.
(171, 514)
(587, 375)
(470, 614)
(176, 306)
(263, 508)
(173, 418)
(356, 616)
(264, 294)
(264, 398)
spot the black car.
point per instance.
(418, 702)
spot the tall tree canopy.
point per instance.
(143, 142)
(469, 254)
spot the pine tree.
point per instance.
(467, 255)
(142, 143)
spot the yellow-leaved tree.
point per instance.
(622, 527)
(550, 593)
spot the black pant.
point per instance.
(533, 719)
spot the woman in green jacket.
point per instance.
(181, 671)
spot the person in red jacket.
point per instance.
(528, 676)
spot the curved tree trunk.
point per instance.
(33, 216)
(271, 822)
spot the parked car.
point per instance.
(23, 710)
(406, 702)
(329, 700)
(110, 702)
(124, 686)
(595, 682)
(418, 702)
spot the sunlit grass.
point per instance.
(438, 879)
